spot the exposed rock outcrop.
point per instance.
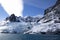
(11, 18)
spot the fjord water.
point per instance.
(28, 37)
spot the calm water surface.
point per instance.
(28, 37)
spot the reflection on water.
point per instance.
(28, 37)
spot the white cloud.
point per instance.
(13, 6)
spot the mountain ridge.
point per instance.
(48, 24)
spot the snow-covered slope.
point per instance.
(48, 24)
(14, 27)
(47, 28)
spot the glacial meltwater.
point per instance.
(28, 37)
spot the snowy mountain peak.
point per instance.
(52, 13)
(14, 18)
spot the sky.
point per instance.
(30, 8)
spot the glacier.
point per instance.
(29, 28)
(14, 27)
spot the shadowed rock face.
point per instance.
(12, 18)
(58, 2)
